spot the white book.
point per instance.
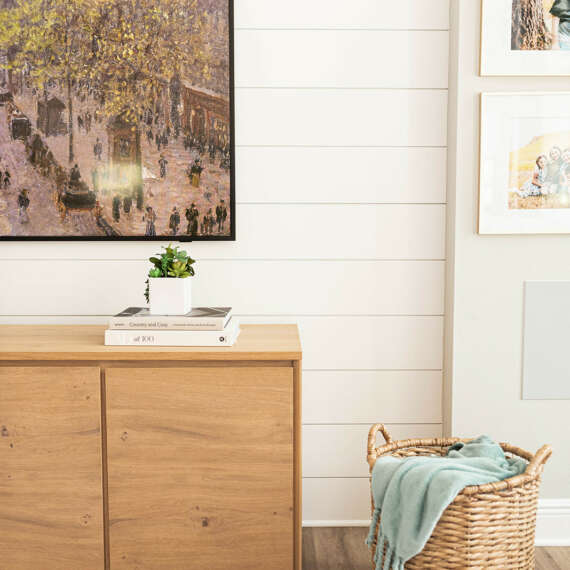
(227, 337)
(198, 319)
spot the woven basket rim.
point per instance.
(485, 526)
(533, 471)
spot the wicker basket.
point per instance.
(487, 526)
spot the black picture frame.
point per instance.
(167, 237)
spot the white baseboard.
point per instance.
(553, 522)
(331, 523)
(552, 525)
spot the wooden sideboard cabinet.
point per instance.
(149, 458)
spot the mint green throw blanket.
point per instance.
(412, 493)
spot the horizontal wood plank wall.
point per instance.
(337, 451)
(289, 58)
(362, 14)
(373, 287)
(341, 157)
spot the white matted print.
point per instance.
(525, 37)
(524, 185)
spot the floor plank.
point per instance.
(344, 549)
(552, 558)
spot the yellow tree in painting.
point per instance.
(140, 48)
(126, 52)
(44, 39)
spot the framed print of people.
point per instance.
(525, 163)
(525, 37)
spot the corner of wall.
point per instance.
(447, 393)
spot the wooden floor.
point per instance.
(344, 549)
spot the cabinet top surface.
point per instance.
(85, 342)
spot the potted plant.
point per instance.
(168, 287)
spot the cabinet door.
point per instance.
(200, 464)
(51, 506)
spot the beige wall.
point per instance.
(485, 278)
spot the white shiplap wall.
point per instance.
(341, 157)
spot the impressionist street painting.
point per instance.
(115, 119)
(539, 163)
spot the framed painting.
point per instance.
(117, 120)
(524, 185)
(525, 37)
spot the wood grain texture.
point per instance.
(298, 464)
(50, 476)
(343, 548)
(85, 342)
(335, 549)
(553, 558)
(331, 343)
(201, 468)
(343, 58)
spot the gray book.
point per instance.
(198, 319)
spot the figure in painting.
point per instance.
(6, 180)
(221, 215)
(98, 149)
(162, 163)
(127, 205)
(74, 176)
(150, 218)
(192, 215)
(23, 205)
(97, 211)
(174, 221)
(208, 223)
(116, 208)
(195, 172)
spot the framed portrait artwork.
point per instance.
(525, 37)
(524, 185)
(117, 120)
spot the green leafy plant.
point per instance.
(173, 263)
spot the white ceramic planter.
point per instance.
(170, 296)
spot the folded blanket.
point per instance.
(412, 493)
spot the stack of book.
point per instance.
(204, 326)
